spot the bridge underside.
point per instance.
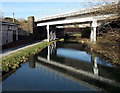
(94, 22)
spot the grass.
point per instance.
(76, 35)
(13, 60)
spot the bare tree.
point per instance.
(108, 42)
(23, 24)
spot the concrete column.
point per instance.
(94, 34)
(53, 32)
(51, 35)
(93, 31)
(48, 33)
(91, 35)
(54, 35)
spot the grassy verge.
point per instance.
(13, 60)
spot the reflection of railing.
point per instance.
(47, 71)
(61, 77)
(79, 71)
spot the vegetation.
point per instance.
(8, 19)
(13, 61)
(107, 45)
(24, 24)
(108, 36)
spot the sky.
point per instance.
(42, 8)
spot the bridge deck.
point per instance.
(84, 11)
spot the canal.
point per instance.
(64, 66)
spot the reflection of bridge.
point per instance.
(52, 48)
(92, 16)
(80, 72)
(59, 76)
(96, 75)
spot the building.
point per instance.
(8, 32)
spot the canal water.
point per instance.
(88, 71)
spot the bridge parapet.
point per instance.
(99, 9)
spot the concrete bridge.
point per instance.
(91, 16)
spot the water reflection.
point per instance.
(73, 57)
(48, 55)
(51, 49)
(101, 61)
(64, 78)
(76, 56)
(73, 54)
(95, 65)
(94, 72)
(80, 55)
(43, 78)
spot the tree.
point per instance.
(23, 24)
(8, 19)
(108, 42)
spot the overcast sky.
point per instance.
(42, 8)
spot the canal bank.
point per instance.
(12, 59)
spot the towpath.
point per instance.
(7, 52)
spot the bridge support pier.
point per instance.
(93, 31)
(51, 33)
(48, 33)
